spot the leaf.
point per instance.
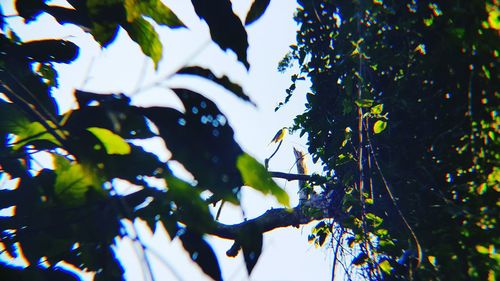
(73, 181)
(255, 175)
(201, 253)
(379, 126)
(482, 249)
(374, 219)
(113, 113)
(202, 140)
(364, 103)
(113, 143)
(377, 109)
(29, 9)
(256, 10)
(76, 16)
(225, 27)
(105, 33)
(251, 239)
(143, 33)
(134, 165)
(222, 81)
(154, 9)
(106, 16)
(47, 50)
(385, 266)
(12, 119)
(32, 132)
(191, 209)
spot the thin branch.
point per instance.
(266, 162)
(291, 177)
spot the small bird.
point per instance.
(280, 135)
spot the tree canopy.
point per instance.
(401, 114)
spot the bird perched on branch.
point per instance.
(280, 135)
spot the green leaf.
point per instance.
(156, 10)
(482, 250)
(73, 181)
(364, 102)
(377, 109)
(143, 33)
(386, 266)
(31, 132)
(255, 175)
(256, 10)
(374, 219)
(113, 143)
(379, 126)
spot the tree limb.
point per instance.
(316, 208)
(291, 177)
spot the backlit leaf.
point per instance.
(156, 10)
(377, 109)
(113, 143)
(31, 132)
(364, 102)
(386, 266)
(143, 33)
(255, 175)
(379, 126)
(73, 181)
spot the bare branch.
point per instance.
(291, 177)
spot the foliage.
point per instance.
(403, 111)
(71, 210)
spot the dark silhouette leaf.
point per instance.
(251, 244)
(29, 9)
(202, 140)
(191, 209)
(225, 27)
(222, 81)
(113, 113)
(201, 253)
(133, 166)
(61, 51)
(77, 16)
(256, 10)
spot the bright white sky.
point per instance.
(123, 68)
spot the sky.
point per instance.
(123, 68)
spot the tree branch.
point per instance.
(315, 208)
(292, 177)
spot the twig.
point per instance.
(266, 162)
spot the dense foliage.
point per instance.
(70, 210)
(403, 111)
